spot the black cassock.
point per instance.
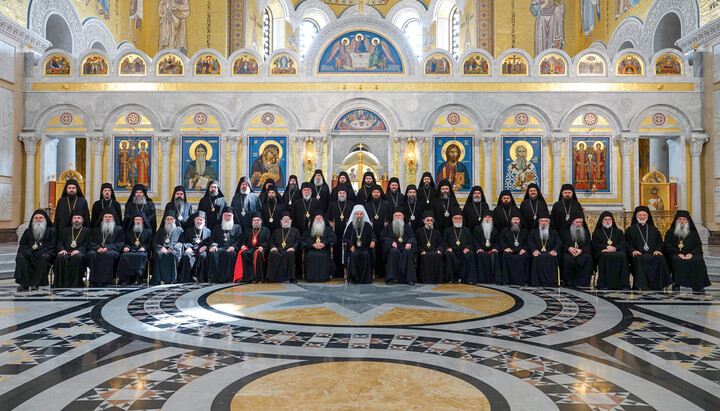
(271, 215)
(32, 265)
(213, 206)
(322, 195)
(64, 212)
(612, 266)
(148, 209)
(430, 265)
(221, 263)
(400, 262)
(472, 214)
(529, 210)
(164, 266)
(364, 194)
(515, 267)
(396, 199)
(687, 273)
(193, 264)
(132, 264)
(441, 209)
(339, 214)
(100, 206)
(249, 203)
(459, 265)
(359, 263)
(319, 266)
(281, 261)
(251, 262)
(560, 215)
(383, 212)
(487, 255)
(501, 215)
(413, 214)
(544, 270)
(576, 271)
(351, 196)
(650, 272)
(70, 269)
(183, 218)
(102, 265)
(290, 198)
(302, 212)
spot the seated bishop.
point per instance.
(544, 244)
(196, 239)
(515, 257)
(138, 243)
(72, 246)
(487, 250)
(36, 252)
(430, 262)
(400, 248)
(683, 249)
(167, 250)
(317, 243)
(609, 254)
(645, 247)
(106, 243)
(284, 244)
(359, 243)
(459, 254)
(254, 246)
(577, 262)
(224, 245)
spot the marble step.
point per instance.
(713, 265)
(7, 265)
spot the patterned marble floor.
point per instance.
(337, 346)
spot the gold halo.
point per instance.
(577, 146)
(359, 37)
(602, 145)
(457, 143)
(207, 145)
(274, 143)
(124, 141)
(521, 143)
(375, 41)
(345, 41)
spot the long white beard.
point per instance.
(398, 227)
(108, 227)
(607, 226)
(169, 228)
(682, 231)
(227, 225)
(487, 227)
(306, 197)
(200, 165)
(577, 234)
(285, 225)
(39, 230)
(200, 226)
(318, 228)
(140, 201)
(245, 190)
(457, 225)
(521, 163)
(544, 233)
(137, 229)
(180, 205)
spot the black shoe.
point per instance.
(676, 288)
(471, 283)
(293, 281)
(22, 288)
(411, 283)
(35, 287)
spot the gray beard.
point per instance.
(245, 190)
(200, 165)
(77, 226)
(577, 234)
(180, 205)
(412, 200)
(139, 201)
(213, 193)
(681, 231)
(137, 229)
(445, 196)
(285, 225)
(107, 227)
(642, 222)
(359, 224)
(256, 226)
(515, 228)
(607, 226)
(544, 233)
(307, 197)
(398, 227)
(200, 226)
(342, 199)
(169, 228)
(317, 229)
(292, 187)
(318, 182)
(457, 225)
(39, 230)
(477, 200)
(487, 227)
(227, 225)
(271, 201)
(521, 163)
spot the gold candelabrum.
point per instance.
(411, 167)
(309, 158)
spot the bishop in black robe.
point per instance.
(459, 255)
(531, 204)
(474, 207)
(430, 263)
(343, 180)
(359, 243)
(304, 207)
(645, 246)
(107, 200)
(212, 204)
(291, 193)
(610, 254)
(394, 195)
(364, 193)
(683, 249)
(504, 210)
(36, 252)
(515, 257)
(254, 246)
(443, 203)
(487, 255)
(577, 261)
(284, 244)
(545, 246)
(244, 202)
(183, 209)
(193, 263)
(320, 189)
(72, 245)
(379, 212)
(106, 243)
(414, 208)
(138, 245)
(224, 245)
(272, 209)
(72, 201)
(317, 243)
(167, 250)
(564, 208)
(339, 213)
(140, 202)
(400, 248)
(265, 186)
(426, 189)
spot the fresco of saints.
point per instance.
(549, 24)
(453, 170)
(142, 164)
(200, 171)
(267, 166)
(521, 171)
(589, 14)
(655, 203)
(136, 18)
(173, 31)
(598, 162)
(124, 165)
(580, 158)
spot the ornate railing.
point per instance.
(663, 219)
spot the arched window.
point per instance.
(308, 31)
(455, 33)
(267, 32)
(413, 33)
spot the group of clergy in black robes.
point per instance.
(313, 233)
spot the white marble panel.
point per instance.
(716, 127)
(717, 204)
(7, 130)
(7, 62)
(6, 193)
(716, 63)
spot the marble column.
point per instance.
(166, 140)
(65, 155)
(420, 147)
(626, 143)
(232, 141)
(97, 142)
(557, 142)
(488, 141)
(401, 150)
(319, 142)
(696, 142)
(301, 145)
(30, 141)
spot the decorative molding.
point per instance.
(98, 142)
(686, 10)
(233, 139)
(626, 143)
(489, 143)
(166, 140)
(95, 31)
(23, 36)
(557, 142)
(41, 10)
(30, 141)
(696, 142)
(630, 29)
(700, 36)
